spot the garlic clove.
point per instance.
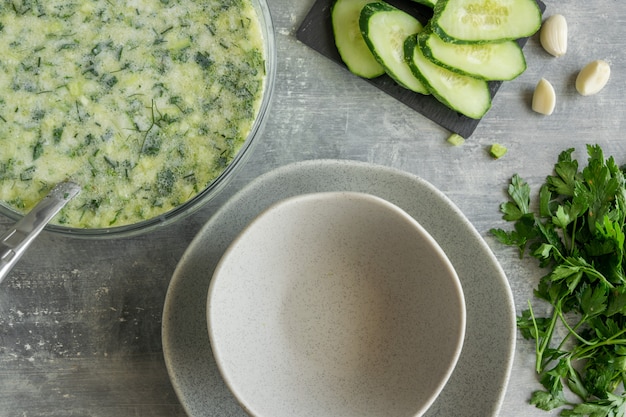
(544, 98)
(593, 77)
(553, 35)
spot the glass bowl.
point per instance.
(219, 182)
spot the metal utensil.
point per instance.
(15, 242)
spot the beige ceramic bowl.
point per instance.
(335, 304)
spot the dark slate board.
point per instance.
(316, 32)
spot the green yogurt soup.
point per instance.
(142, 102)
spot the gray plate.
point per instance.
(477, 385)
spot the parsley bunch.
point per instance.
(577, 234)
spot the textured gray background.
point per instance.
(80, 321)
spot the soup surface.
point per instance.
(142, 102)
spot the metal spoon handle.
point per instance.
(15, 242)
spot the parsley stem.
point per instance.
(609, 342)
(547, 338)
(572, 331)
(595, 273)
(573, 236)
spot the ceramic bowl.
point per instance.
(335, 304)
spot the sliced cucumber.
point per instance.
(384, 29)
(429, 3)
(501, 61)
(467, 95)
(481, 21)
(350, 43)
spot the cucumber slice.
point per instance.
(500, 61)
(480, 21)
(384, 29)
(467, 95)
(352, 48)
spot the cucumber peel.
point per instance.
(429, 3)
(350, 44)
(385, 29)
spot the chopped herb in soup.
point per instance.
(142, 102)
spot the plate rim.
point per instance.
(299, 170)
